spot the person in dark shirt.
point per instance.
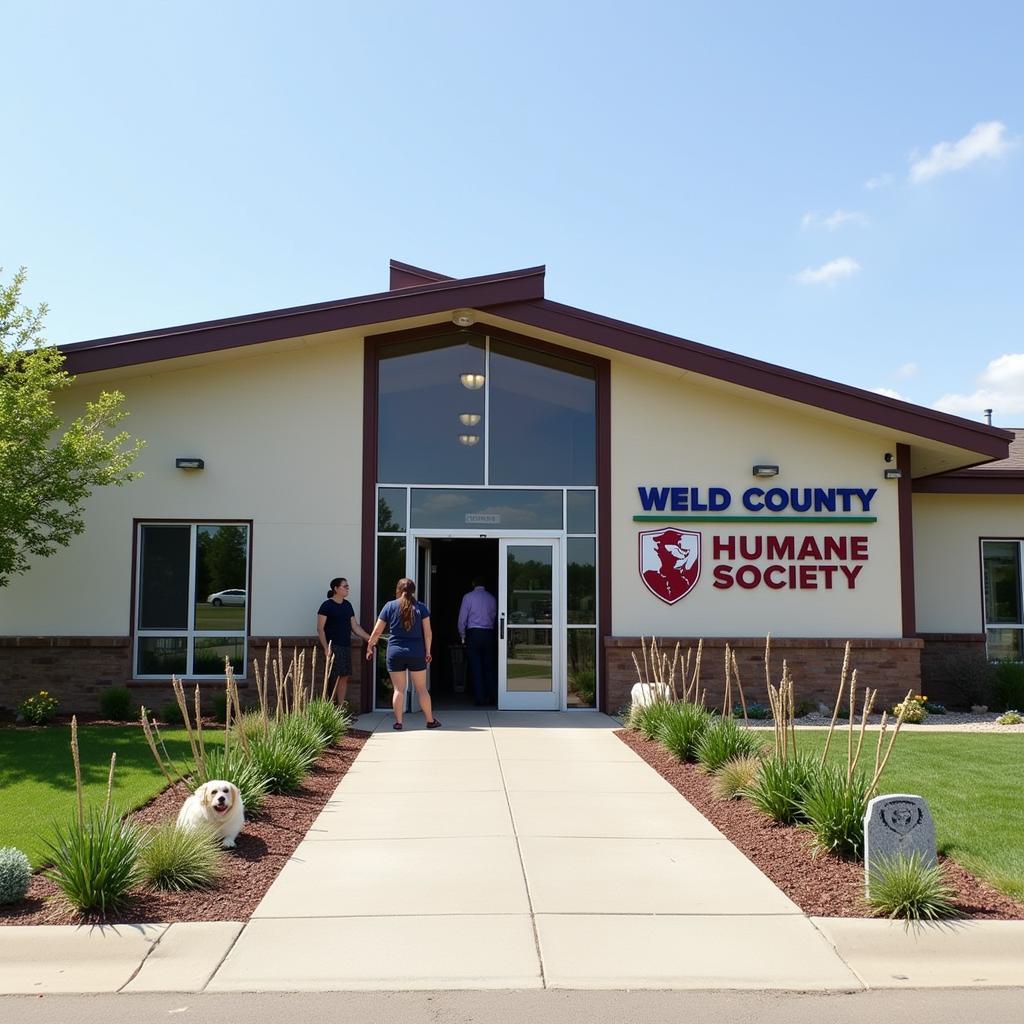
(409, 637)
(335, 624)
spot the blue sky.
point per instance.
(839, 189)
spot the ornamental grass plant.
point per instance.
(723, 740)
(779, 787)
(176, 859)
(903, 886)
(681, 729)
(332, 721)
(735, 776)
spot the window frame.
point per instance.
(190, 633)
(986, 625)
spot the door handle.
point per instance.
(501, 628)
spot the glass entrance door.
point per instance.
(529, 626)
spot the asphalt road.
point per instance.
(934, 1006)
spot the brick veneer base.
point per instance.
(948, 662)
(892, 666)
(77, 669)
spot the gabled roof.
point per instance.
(1005, 476)
(518, 296)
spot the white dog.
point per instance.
(218, 804)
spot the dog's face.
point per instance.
(217, 795)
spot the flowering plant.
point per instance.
(913, 709)
(39, 708)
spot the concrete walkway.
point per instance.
(512, 851)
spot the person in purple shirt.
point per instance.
(477, 613)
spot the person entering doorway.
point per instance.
(477, 615)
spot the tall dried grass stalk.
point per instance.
(78, 769)
(179, 696)
(110, 781)
(839, 697)
(147, 731)
(739, 686)
(869, 703)
(200, 742)
(880, 767)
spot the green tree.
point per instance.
(47, 468)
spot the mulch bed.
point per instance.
(823, 885)
(264, 845)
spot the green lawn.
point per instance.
(37, 781)
(974, 785)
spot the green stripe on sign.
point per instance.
(755, 519)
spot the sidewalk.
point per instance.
(513, 851)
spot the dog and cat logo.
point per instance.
(669, 562)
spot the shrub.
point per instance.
(804, 708)
(181, 858)
(735, 776)
(584, 684)
(219, 702)
(15, 874)
(756, 712)
(778, 790)
(681, 727)
(969, 676)
(936, 709)
(246, 772)
(1008, 686)
(95, 860)
(39, 708)
(305, 735)
(170, 714)
(279, 760)
(1010, 718)
(902, 886)
(116, 704)
(912, 710)
(724, 739)
(330, 720)
(834, 809)
(648, 717)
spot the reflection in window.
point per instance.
(582, 668)
(528, 596)
(581, 573)
(1004, 601)
(390, 569)
(430, 411)
(191, 637)
(391, 510)
(581, 513)
(543, 418)
(464, 508)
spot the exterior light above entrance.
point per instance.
(189, 463)
(472, 381)
(469, 439)
(893, 474)
(469, 419)
(766, 471)
(463, 318)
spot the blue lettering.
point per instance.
(749, 497)
(845, 493)
(719, 499)
(776, 499)
(653, 498)
(695, 503)
(678, 499)
(824, 501)
(865, 497)
(798, 503)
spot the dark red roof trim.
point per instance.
(987, 482)
(213, 335)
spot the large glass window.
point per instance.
(543, 415)
(1004, 600)
(431, 411)
(459, 408)
(193, 595)
(440, 508)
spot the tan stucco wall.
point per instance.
(669, 429)
(947, 555)
(281, 434)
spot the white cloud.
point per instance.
(985, 141)
(828, 273)
(889, 393)
(833, 220)
(906, 370)
(882, 181)
(1000, 387)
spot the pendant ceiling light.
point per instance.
(469, 419)
(468, 439)
(473, 381)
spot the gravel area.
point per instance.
(264, 845)
(823, 885)
(952, 721)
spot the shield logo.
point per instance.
(901, 816)
(669, 562)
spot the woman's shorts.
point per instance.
(342, 664)
(401, 660)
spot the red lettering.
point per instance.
(835, 547)
(808, 577)
(851, 575)
(810, 549)
(769, 577)
(723, 546)
(748, 576)
(723, 577)
(829, 571)
(781, 548)
(859, 549)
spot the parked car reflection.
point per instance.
(226, 597)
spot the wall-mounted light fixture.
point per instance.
(463, 318)
(189, 463)
(893, 474)
(766, 471)
(469, 439)
(469, 419)
(472, 381)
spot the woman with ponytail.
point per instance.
(408, 624)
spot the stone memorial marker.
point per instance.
(897, 823)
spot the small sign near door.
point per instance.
(483, 519)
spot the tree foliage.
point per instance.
(47, 468)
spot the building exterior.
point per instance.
(608, 481)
